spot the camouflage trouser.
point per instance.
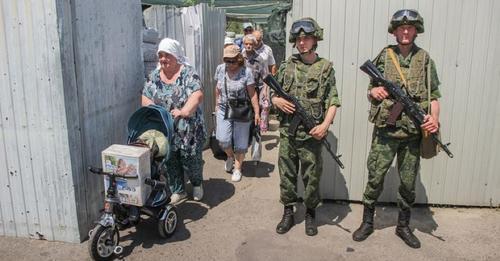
(308, 153)
(381, 155)
(181, 163)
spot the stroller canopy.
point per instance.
(152, 117)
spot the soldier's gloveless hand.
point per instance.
(379, 93)
(284, 105)
(430, 124)
(319, 131)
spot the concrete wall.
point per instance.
(70, 76)
(462, 38)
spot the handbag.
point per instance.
(429, 148)
(237, 109)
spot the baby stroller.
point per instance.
(150, 127)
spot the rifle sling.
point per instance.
(398, 107)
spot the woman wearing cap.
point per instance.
(176, 86)
(234, 80)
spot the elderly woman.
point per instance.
(259, 70)
(176, 86)
(234, 81)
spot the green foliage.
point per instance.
(190, 2)
(234, 26)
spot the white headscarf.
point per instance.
(174, 48)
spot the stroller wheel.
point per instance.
(167, 222)
(102, 243)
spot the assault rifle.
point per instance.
(299, 116)
(411, 108)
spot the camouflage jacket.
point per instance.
(415, 70)
(312, 84)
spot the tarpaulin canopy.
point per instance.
(256, 10)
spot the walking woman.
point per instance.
(176, 86)
(235, 82)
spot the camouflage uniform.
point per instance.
(314, 86)
(403, 139)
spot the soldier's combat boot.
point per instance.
(403, 230)
(311, 228)
(366, 227)
(286, 222)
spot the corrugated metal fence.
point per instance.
(200, 29)
(462, 38)
(70, 76)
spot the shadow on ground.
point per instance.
(253, 169)
(422, 217)
(328, 213)
(146, 233)
(271, 145)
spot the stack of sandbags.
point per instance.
(150, 39)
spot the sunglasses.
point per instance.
(306, 26)
(400, 15)
(231, 61)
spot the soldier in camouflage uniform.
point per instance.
(311, 80)
(401, 137)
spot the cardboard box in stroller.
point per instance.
(129, 161)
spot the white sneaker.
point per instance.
(198, 192)
(229, 165)
(178, 197)
(236, 175)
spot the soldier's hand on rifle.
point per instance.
(430, 124)
(379, 93)
(283, 105)
(319, 131)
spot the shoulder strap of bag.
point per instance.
(225, 88)
(398, 67)
(225, 84)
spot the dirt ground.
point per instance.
(236, 221)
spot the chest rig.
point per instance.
(415, 74)
(308, 83)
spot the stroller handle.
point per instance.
(99, 171)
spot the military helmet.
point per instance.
(305, 26)
(406, 16)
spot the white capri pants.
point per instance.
(232, 131)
